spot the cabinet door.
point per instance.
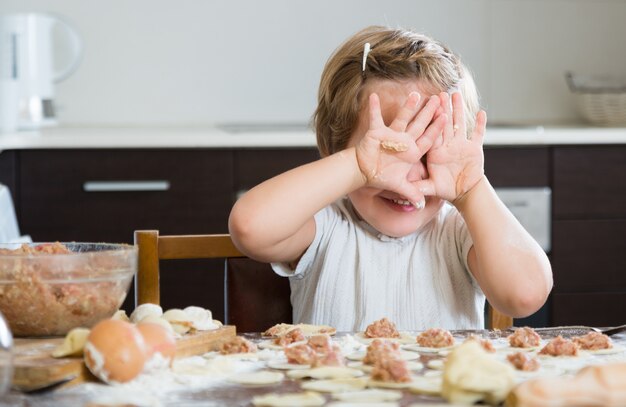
(517, 167)
(193, 196)
(601, 309)
(588, 255)
(254, 166)
(590, 182)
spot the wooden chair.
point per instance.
(255, 298)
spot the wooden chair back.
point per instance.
(255, 298)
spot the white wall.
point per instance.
(198, 62)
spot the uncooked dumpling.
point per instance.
(145, 310)
(73, 344)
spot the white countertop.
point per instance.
(212, 137)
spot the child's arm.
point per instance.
(274, 220)
(510, 267)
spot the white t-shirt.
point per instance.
(352, 275)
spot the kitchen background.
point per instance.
(157, 75)
(200, 62)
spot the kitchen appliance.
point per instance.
(27, 62)
(532, 207)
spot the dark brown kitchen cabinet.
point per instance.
(589, 225)
(56, 202)
(517, 167)
(590, 182)
(253, 166)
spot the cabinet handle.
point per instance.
(125, 186)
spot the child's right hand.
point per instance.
(386, 154)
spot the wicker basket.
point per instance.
(600, 101)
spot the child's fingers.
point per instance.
(376, 117)
(448, 130)
(424, 117)
(406, 113)
(426, 187)
(481, 126)
(426, 141)
(413, 194)
(458, 115)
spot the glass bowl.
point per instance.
(46, 289)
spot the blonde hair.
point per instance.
(395, 54)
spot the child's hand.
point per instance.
(455, 163)
(387, 154)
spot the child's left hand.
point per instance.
(455, 162)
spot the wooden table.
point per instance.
(226, 394)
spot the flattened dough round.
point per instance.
(368, 395)
(257, 378)
(427, 385)
(283, 365)
(325, 372)
(289, 400)
(335, 386)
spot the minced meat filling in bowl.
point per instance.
(47, 289)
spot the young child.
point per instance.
(397, 218)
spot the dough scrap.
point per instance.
(325, 372)
(394, 146)
(289, 400)
(73, 344)
(258, 378)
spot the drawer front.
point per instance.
(255, 166)
(187, 192)
(590, 181)
(589, 255)
(593, 309)
(517, 167)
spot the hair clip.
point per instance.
(366, 50)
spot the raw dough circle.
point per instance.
(257, 378)
(335, 386)
(325, 372)
(368, 395)
(289, 400)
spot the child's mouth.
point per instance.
(403, 205)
